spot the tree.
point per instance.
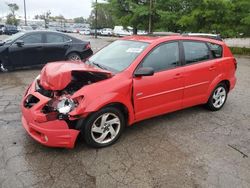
(240, 17)
(46, 17)
(11, 17)
(133, 13)
(227, 17)
(79, 20)
(105, 18)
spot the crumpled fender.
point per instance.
(102, 101)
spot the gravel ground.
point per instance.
(188, 148)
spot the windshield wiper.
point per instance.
(98, 65)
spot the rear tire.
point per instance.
(74, 57)
(218, 97)
(103, 128)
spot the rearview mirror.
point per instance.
(144, 71)
(19, 43)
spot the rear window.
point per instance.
(195, 51)
(216, 50)
(56, 38)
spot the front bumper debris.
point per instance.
(49, 132)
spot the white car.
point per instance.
(107, 32)
(84, 32)
(140, 32)
(119, 31)
(24, 28)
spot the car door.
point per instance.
(200, 70)
(56, 46)
(30, 53)
(162, 92)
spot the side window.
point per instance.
(54, 38)
(163, 57)
(195, 51)
(32, 39)
(216, 50)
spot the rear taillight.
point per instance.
(235, 64)
(88, 46)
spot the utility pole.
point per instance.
(95, 18)
(25, 12)
(150, 17)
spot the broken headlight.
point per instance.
(65, 105)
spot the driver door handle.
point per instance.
(178, 76)
(212, 68)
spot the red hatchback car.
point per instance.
(130, 80)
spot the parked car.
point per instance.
(107, 32)
(9, 30)
(69, 30)
(84, 31)
(39, 47)
(119, 31)
(130, 80)
(24, 28)
(141, 32)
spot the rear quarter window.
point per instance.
(216, 50)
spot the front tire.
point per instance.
(218, 97)
(103, 128)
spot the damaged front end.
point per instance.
(49, 101)
(60, 81)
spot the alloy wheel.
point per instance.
(75, 58)
(219, 97)
(105, 128)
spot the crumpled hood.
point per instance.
(56, 76)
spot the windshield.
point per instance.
(13, 37)
(118, 55)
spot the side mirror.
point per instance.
(144, 71)
(19, 43)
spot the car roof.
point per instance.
(158, 39)
(148, 39)
(42, 31)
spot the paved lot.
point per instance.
(189, 148)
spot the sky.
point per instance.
(67, 8)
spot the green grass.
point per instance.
(240, 51)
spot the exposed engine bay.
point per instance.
(81, 79)
(61, 101)
(61, 85)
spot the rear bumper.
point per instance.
(86, 54)
(53, 133)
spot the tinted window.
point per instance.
(54, 38)
(163, 57)
(216, 50)
(33, 38)
(195, 52)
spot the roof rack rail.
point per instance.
(204, 35)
